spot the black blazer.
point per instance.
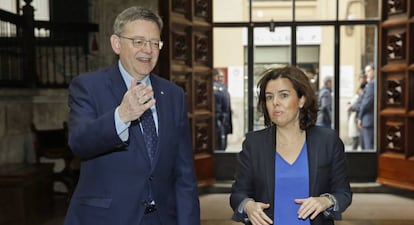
(327, 171)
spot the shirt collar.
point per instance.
(127, 77)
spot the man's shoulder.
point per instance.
(99, 72)
(324, 91)
(218, 86)
(318, 132)
(164, 83)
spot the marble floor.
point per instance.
(370, 206)
(366, 209)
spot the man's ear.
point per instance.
(115, 44)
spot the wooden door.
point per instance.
(187, 60)
(396, 95)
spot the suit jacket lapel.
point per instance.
(312, 145)
(116, 83)
(118, 88)
(270, 151)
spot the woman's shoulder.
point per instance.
(265, 132)
(321, 132)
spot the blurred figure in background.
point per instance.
(366, 110)
(325, 104)
(224, 124)
(353, 108)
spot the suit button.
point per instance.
(151, 178)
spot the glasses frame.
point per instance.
(133, 41)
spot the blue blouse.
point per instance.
(291, 182)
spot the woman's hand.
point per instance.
(312, 206)
(255, 213)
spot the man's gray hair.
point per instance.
(327, 78)
(135, 13)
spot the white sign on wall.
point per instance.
(235, 80)
(309, 35)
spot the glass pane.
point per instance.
(315, 10)
(41, 9)
(315, 55)
(8, 5)
(352, 74)
(230, 59)
(272, 48)
(358, 9)
(275, 10)
(231, 11)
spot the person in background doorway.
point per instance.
(353, 108)
(131, 130)
(291, 172)
(325, 104)
(224, 125)
(366, 110)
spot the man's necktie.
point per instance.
(150, 133)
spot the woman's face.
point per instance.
(283, 103)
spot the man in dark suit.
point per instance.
(130, 128)
(224, 125)
(366, 110)
(324, 118)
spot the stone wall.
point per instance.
(48, 109)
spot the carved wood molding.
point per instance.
(202, 46)
(395, 45)
(394, 136)
(201, 9)
(203, 134)
(396, 6)
(180, 47)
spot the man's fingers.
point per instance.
(133, 83)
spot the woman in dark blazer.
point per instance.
(291, 172)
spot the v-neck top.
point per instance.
(291, 182)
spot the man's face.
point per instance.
(220, 77)
(138, 61)
(369, 71)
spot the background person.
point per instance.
(353, 108)
(133, 170)
(224, 125)
(325, 103)
(291, 172)
(366, 110)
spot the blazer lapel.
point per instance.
(312, 146)
(269, 160)
(116, 84)
(118, 88)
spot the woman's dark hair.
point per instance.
(302, 86)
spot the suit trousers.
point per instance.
(367, 138)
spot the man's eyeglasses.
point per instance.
(140, 42)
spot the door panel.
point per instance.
(395, 95)
(187, 61)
